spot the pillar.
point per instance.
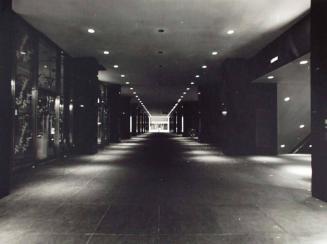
(319, 98)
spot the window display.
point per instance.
(23, 85)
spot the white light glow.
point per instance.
(301, 126)
(214, 53)
(273, 60)
(287, 99)
(197, 76)
(127, 83)
(116, 66)
(122, 76)
(271, 77)
(303, 62)
(204, 66)
(91, 31)
(192, 83)
(283, 146)
(106, 52)
(188, 88)
(230, 32)
(224, 113)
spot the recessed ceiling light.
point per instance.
(271, 77)
(184, 93)
(199, 93)
(230, 32)
(106, 52)
(179, 100)
(204, 66)
(192, 83)
(197, 76)
(131, 88)
(286, 99)
(134, 93)
(45, 66)
(182, 96)
(90, 30)
(304, 62)
(136, 96)
(127, 83)
(116, 66)
(224, 113)
(283, 146)
(188, 88)
(22, 52)
(122, 76)
(301, 126)
(214, 53)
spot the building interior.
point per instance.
(163, 122)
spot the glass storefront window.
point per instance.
(23, 83)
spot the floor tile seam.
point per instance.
(98, 224)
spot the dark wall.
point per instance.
(190, 112)
(85, 86)
(319, 99)
(6, 98)
(125, 117)
(114, 112)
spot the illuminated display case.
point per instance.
(24, 82)
(38, 90)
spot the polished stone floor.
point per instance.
(159, 188)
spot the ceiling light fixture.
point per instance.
(214, 53)
(122, 76)
(106, 52)
(286, 99)
(271, 77)
(184, 93)
(283, 146)
(303, 62)
(116, 66)
(301, 126)
(131, 88)
(91, 30)
(230, 32)
(192, 83)
(127, 83)
(187, 89)
(197, 76)
(204, 66)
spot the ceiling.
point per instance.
(192, 30)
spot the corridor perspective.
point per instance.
(159, 188)
(163, 121)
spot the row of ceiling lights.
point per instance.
(116, 66)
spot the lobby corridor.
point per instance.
(159, 188)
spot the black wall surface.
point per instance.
(6, 102)
(85, 104)
(319, 98)
(125, 117)
(114, 112)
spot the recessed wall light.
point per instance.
(204, 66)
(273, 60)
(303, 62)
(116, 66)
(214, 53)
(106, 52)
(91, 30)
(230, 32)
(122, 76)
(270, 77)
(287, 99)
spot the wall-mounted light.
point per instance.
(275, 59)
